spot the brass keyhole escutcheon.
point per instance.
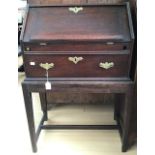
(75, 9)
(75, 59)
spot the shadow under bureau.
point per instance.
(76, 49)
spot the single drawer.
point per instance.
(76, 46)
(73, 65)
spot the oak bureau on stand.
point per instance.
(78, 48)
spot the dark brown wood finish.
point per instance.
(72, 32)
(59, 24)
(125, 87)
(48, 2)
(30, 116)
(79, 46)
(99, 33)
(43, 101)
(105, 1)
(88, 67)
(90, 86)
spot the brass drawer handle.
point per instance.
(42, 44)
(75, 9)
(75, 60)
(27, 48)
(106, 65)
(47, 66)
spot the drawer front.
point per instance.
(42, 46)
(102, 65)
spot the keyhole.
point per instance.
(124, 47)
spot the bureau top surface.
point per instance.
(58, 23)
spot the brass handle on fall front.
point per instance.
(75, 60)
(46, 66)
(75, 9)
(106, 65)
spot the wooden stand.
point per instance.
(118, 87)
